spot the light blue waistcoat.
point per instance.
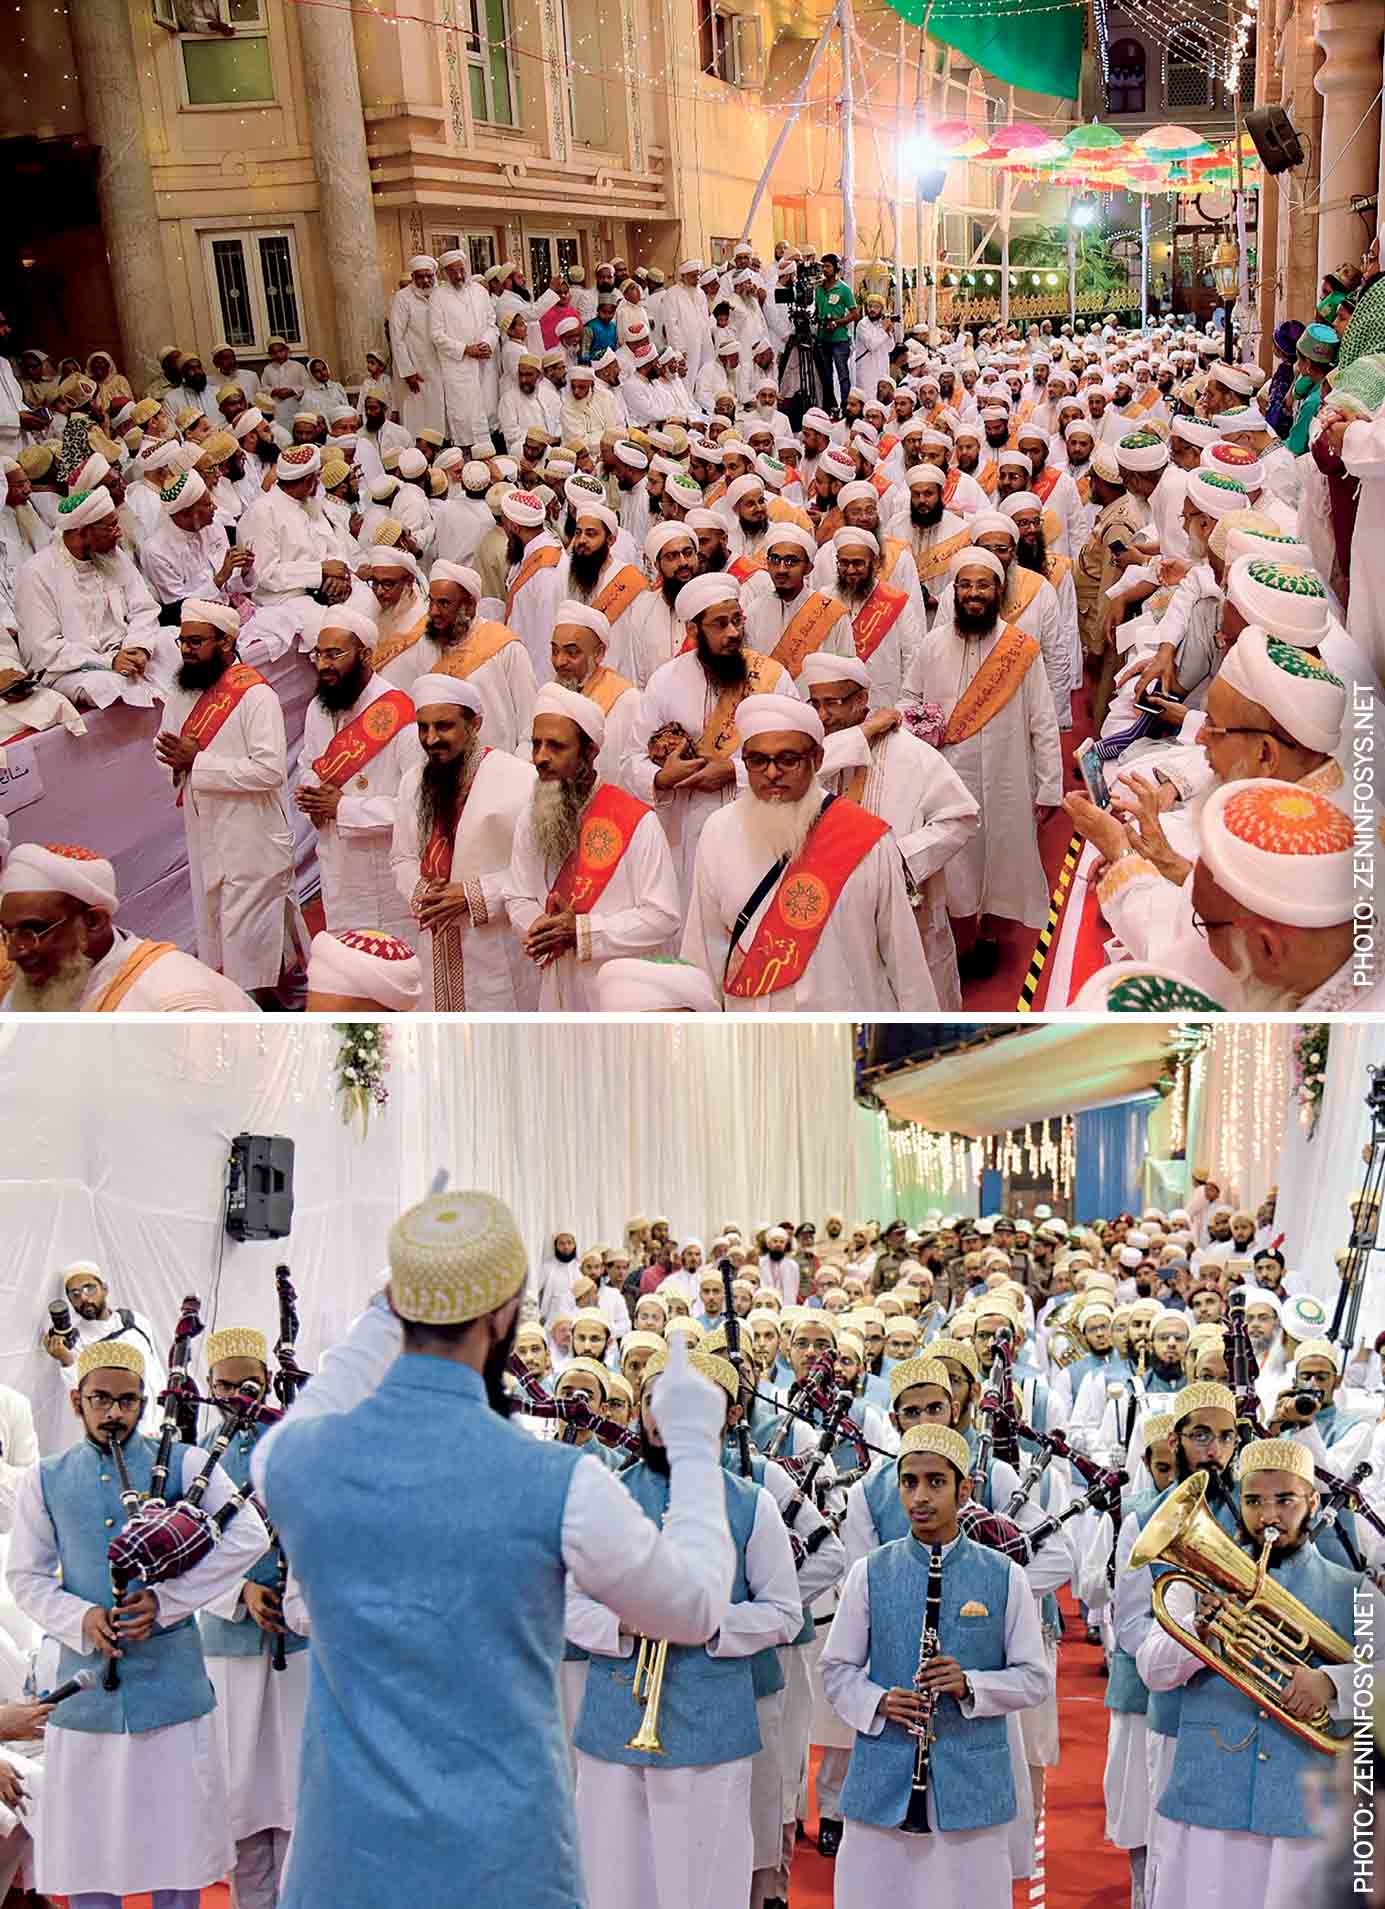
(1113, 1365)
(969, 1766)
(1126, 1690)
(427, 1535)
(221, 1638)
(1165, 1706)
(707, 1713)
(1236, 1767)
(162, 1680)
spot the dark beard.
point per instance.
(441, 792)
(724, 672)
(924, 517)
(197, 381)
(514, 548)
(655, 1456)
(565, 1259)
(714, 563)
(1167, 1368)
(267, 453)
(337, 696)
(493, 1372)
(201, 676)
(670, 587)
(1033, 553)
(981, 625)
(1220, 1490)
(584, 567)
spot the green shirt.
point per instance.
(832, 303)
(1303, 417)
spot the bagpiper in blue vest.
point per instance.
(244, 1638)
(769, 1675)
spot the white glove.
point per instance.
(688, 1410)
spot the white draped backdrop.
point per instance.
(114, 1139)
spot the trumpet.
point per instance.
(1261, 1634)
(651, 1657)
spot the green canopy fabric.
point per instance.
(1034, 45)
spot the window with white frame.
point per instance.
(253, 280)
(480, 248)
(223, 51)
(493, 89)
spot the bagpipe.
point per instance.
(736, 1355)
(818, 1391)
(289, 1380)
(573, 1412)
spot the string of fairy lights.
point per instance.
(950, 1163)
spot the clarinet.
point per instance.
(737, 1358)
(924, 1732)
(174, 1426)
(288, 1380)
(1244, 1369)
(130, 1502)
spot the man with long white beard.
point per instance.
(1001, 736)
(591, 571)
(299, 556)
(486, 655)
(877, 763)
(932, 532)
(417, 367)
(56, 908)
(591, 878)
(454, 830)
(581, 644)
(521, 407)
(533, 554)
(224, 746)
(401, 601)
(461, 324)
(688, 715)
(785, 619)
(359, 738)
(1034, 553)
(654, 634)
(22, 530)
(799, 903)
(885, 625)
(85, 618)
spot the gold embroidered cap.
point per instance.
(940, 1439)
(681, 1323)
(236, 1342)
(958, 1351)
(590, 1367)
(454, 1257)
(641, 1341)
(116, 1353)
(922, 1371)
(1275, 1455)
(1159, 1425)
(1206, 1396)
(720, 1371)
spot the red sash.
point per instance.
(363, 738)
(950, 487)
(435, 863)
(607, 827)
(808, 891)
(214, 705)
(881, 483)
(1042, 486)
(988, 477)
(886, 445)
(744, 567)
(875, 619)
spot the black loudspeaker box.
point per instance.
(1272, 133)
(259, 1196)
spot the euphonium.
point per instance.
(651, 1657)
(1262, 1633)
(1065, 1343)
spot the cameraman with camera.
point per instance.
(84, 1315)
(835, 311)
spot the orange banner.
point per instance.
(610, 821)
(808, 891)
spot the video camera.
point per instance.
(799, 298)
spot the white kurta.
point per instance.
(176, 1772)
(289, 543)
(459, 524)
(415, 355)
(768, 615)
(534, 609)
(353, 849)
(259, 1719)
(638, 912)
(74, 618)
(240, 838)
(651, 636)
(868, 955)
(680, 692)
(459, 316)
(176, 983)
(504, 687)
(497, 975)
(891, 1865)
(1011, 765)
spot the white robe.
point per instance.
(259, 1717)
(240, 839)
(415, 356)
(180, 563)
(459, 524)
(353, 848)
(459, 316)
(868, 955)
(638, 912)
(1011, 766)
(176, 983)
(79, 1848)
(535, 605)
(74, 618)
(652, 635)
(497, 976)
(767, 616)
(1363, 453)
(680, 692)
(289, 545)
(504, 687)
(931, 812)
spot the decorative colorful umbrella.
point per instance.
(1092, 138)
(955, 138)
(1020, 136)
(1172, 142)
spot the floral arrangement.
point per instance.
(363, 1060)
(1310, 1071)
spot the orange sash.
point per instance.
(139, 963)
(363, 738)
(988, 477)
(992, 686)
(715, 493)
(881, 482)
(1022, 588)
(543, 558)
(808, 891)
(744, 567)
(1084, 488)
(214, 705)
(886, 445)
(1147, 400)
(719, 739)
(829, 524)
(610, 821)
(933, 561)
(1042, 485)
(605, 688)
(875, 619)
(807, 630)
(620, 592)
(482, 642)
(950, 487)
(390, 647)
(1057, 568)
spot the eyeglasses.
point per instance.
(123, 1401)
(1204, 927)
(1203, 1437)
(1237, 729)
(829, 705)
(787, 761)
(28, 937)
(81, 1291)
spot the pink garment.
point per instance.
(548, 324)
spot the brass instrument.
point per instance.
(651, 1657)
(1065, 1343)
(1262, 1633)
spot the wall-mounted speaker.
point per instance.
(1273, 136)
(259, 1194)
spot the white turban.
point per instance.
(792, 534)
(820, 667)
(1021, 500)
(449, 690)
(1142, 451)
(858, 492)
(817, 420)
(458, 573)
(838, 463)
(703, 592)
(386, 557)
(992, 520)
(1014, 460)
(1280, 850)
(631, 454)
(584, 616)
(653, 984)
(220, 615)
(974, 554)
(183, 494)
(412, 462)
(367, 965)
(604, 515)
(1285, 599)
(61, 870)
(83, 508)
(1302, 694)
(355, 623)
(95, 470)
(247, 422)
(523, 508)
(747, 486)
(761, 715)
(661, 535)
(924, 474)
(422, 262)
(700, 518)
(454, 257)
(554, 700)
(293, 465)
(849, 534)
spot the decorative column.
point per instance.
(1350, 34)
(109, 79)
(337, 122)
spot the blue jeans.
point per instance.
(834, 357)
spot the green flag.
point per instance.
(1037, 46)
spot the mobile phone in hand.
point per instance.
(1093, 774)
